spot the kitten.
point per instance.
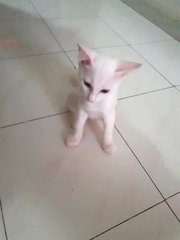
(96, 95)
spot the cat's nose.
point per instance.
(91, 98)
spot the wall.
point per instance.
(169, 7)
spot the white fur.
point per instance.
(101, 73)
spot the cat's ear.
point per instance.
(125, 67)
(86, 55)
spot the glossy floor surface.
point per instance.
(48, 191)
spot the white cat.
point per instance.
(96, 95)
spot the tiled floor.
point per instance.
(50, 192)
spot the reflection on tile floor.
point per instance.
(50, 192)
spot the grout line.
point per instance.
(154, 41)
(173, 195)
(82, 17)
(170, 206)
(147, 173)
(144, 93)
(56, 39)
(31, 55)
(101, 47)
(128, 219)
(4, 225)
(172, 211)
(32, 120)
(35, 9)
(125, 44)
(139, 162)
(177, 88)
(113, 46)
(56, 52)
(68, 17)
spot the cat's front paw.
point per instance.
(109, 148)
(72, 141)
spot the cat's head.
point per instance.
(100, 75)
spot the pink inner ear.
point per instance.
(85, 62)
(126, 67)
(86, 55)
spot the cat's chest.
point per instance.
(95, 115)
(94, 111)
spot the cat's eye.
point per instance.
(87, 84)
(104, 91)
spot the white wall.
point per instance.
(169, 7)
